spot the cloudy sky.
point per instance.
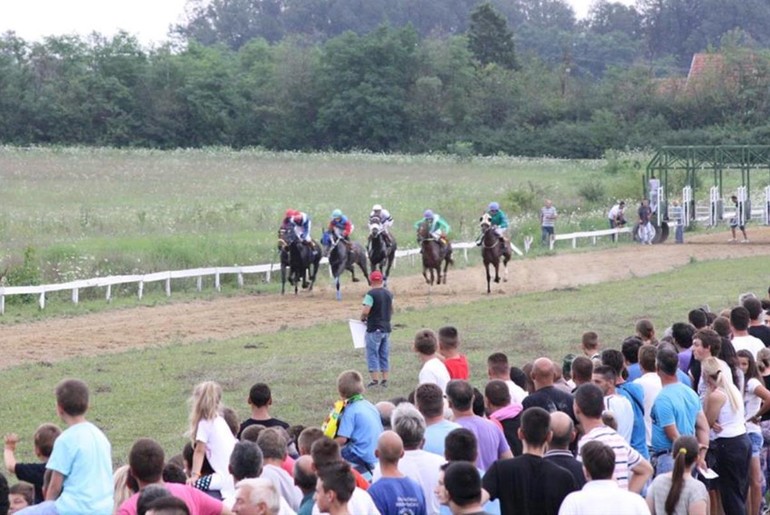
(147, 19)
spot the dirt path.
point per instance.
(115, 331)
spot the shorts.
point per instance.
(756, 443)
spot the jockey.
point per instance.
(286, 223)
(340, 225)
(439, 229)
(385, 219)
(498, 219)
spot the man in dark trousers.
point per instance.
(377, 311)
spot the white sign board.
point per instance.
(358, 332)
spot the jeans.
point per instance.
(662, 463)
(546, 234)
(732, 456)
(377, 351)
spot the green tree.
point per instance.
(489, 38)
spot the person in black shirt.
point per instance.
(546, 396)
(377, 311)
(32, 473)
(260, 400)
(558, 449)
(529, 484)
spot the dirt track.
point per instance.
(118, 330)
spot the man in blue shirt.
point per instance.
(676, 412)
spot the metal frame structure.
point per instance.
(713, 160)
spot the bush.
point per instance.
(25, 274)
(593, 192)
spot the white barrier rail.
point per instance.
(217, 273)
(574, 236)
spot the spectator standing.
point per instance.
(646, 232)
(677, 492)
(335, 489)
(255, 496)
(548, 217)
(529, 484)
(492, 445)
(739, 322)
(563, 434)
(460, 489)
(429, 400)
(498, 368)
(601, 495)
(757, 327)
(604, 378)
(546, 396)
(502, 411)
(394, 493)
(306, 480)
(377, 312)
(631, 469)
(651, 386)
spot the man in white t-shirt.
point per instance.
(433, 369)
(604, 377)
(498, 368)
(651, 385)
(742, 340)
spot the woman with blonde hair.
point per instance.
(121, 481)
(677, 492)
(723, 406)
(212, 438)
(756, 401)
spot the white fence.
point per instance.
(575, 236)
(217, 273)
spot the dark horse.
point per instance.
(341, 258)
(381, 255)
(299, 259)
(433, 254)
(492, 249)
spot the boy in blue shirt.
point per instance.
(81, 461)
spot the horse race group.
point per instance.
(301, 255)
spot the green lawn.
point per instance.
(144, 392)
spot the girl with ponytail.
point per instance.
(677, 492)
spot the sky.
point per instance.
(148, 20)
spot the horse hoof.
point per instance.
(497, 279)
(356, 279)
(339, 296)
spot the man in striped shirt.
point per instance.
(631, 469)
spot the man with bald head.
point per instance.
(306, 479)
(546, 396)
(563, 434)
(393, 493)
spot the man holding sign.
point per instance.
(378, 308)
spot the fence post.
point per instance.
(2, 304)
(217, 285)
(240, 279)
(75, 295)
(41, 301)
(168, 287)
(199, 283)
(141, 289)
(109, 293)
(465, 253)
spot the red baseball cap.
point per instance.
(375, 276)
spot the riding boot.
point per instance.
(479, 240)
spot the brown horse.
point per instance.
(493, 248)
(433, 254)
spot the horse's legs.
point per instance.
(446, 265)
(497, 271)
(425, 274)
(489, 277)
(505, 268)
(283, 280)
(337, 285)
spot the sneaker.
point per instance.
(373, 384)
(384, 383)
(745, 241)
(731, 240)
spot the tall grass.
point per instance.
(90, 212)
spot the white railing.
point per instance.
(217, 273)
(574, 236)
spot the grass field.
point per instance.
(97, 212)
(143, 392)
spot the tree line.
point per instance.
(517, 77)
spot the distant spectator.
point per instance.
(646, 332)
(582, 371)
(272, 443)
(590, 345)
(460, 488)
(757, 327)
(498, 368)
(385, 409)
(335, 488)
(256, 495)
(305, 479)
(429, 400)
(630, 350)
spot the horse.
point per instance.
(299, 259)
(341, 258)
(492, 249)
(433, 254)
(381, 255)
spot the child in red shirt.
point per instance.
(456, 363)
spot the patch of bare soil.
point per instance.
(118, 330)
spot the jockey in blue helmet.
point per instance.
(439, 228)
